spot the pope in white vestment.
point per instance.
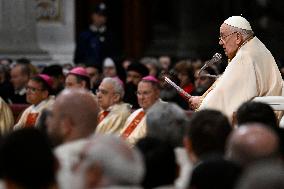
(251, 72)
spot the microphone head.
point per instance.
(216, 58)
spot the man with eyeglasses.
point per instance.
(135, 72)
(114, 111)
(148, 93)
(39, 89)
(251, 72)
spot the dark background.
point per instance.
(184, 28)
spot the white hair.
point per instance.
(243, 32)
(120, 164)
(167, 121)
(117, 85)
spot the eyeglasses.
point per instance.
(145, 93)
(104, 92)
(222, 38)
(32, 89)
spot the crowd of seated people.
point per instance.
(122, 126)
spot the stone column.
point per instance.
(18, 36)
(56, 36)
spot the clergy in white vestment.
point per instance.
(251, 71)
(40, 98)
(114, 111)
(148, 94)
(6, 117)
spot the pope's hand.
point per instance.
(194, 102)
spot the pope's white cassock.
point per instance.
(251, 73)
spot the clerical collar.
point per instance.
(36, 107)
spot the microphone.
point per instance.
(215, 59)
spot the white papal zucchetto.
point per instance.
(238, 22)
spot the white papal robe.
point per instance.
(252, 72)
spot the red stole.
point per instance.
(102, 115)
(133, 124)
(31, 120)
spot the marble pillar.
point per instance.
(56, 35)
(18, 35)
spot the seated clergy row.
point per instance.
(115, 116)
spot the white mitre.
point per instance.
(238, 22)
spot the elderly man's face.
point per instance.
(228, 40)
(106, 95)
(147, 95)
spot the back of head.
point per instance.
(160, 162)
(27, 65)
(27, 159)
(53, 70)
(215, 173)
(252, 142)
(264, 175)
(117, 163)
(208, 131)
(77, 111)
(166, 121)
(257, 112)
(139, 68)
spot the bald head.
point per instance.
(74, 115)
(252, 142)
